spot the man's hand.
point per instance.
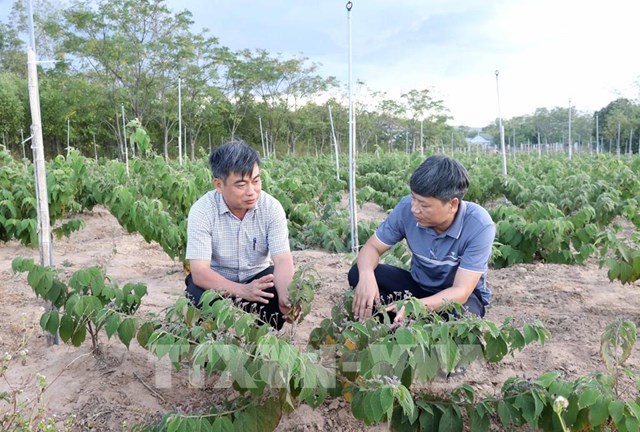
(366, 296)
(289, 312)
(367, 293)
(283, 274)
(255, 291)
(399, 313)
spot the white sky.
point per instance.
(547, 51)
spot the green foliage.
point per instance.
(617, 342)
(139, 137)
(268, 371)
(271, 375)
(240, 414)
(423, 344)
(18, 206)
(537, 217)
(12, 108)
(86, 305)
(621, 256)
(548, 403)
(302, 292)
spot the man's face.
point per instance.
(431, 212)
(240, 193)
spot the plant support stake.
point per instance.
(335, 142)
(179, 120)
(502, 146)
(124, 141)
(42, 198)
(353, 216)
(264, 149)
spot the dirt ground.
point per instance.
(121, 388)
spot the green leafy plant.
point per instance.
(268, 372)
(302, 292)
(138, 136)
(548, 403)
(86, 305)
(621, 258)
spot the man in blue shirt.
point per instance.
(450, 239)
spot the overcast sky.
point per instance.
(547, 51)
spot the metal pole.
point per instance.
(124, 141)
(179, 120)
(421, 138)
(406, 141)
(42, 198)
(264, 148)
(353, 218)
(597, 135)
(502, 146)
(570, 140)
(24, 155)
(335, 142)
(68, 133)
(452, 148)
(618, 142)
(133, 147)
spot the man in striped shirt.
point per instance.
(238, 240)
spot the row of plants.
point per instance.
(550, 208)
(383, 370)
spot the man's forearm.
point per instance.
(282, 279)
(368, 259)
(283, 274)
(210, 279)
(451, 294)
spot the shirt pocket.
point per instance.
(258, 247)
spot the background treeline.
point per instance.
(132, 57)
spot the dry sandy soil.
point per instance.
(121, 388)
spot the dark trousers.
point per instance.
(269, 313)
(394, 282)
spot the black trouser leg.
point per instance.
(394, 283)
(269, 313)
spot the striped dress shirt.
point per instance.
(238, 249)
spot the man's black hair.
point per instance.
(235, 156)
(440, 177)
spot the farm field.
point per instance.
(107, 393)
(531, 279)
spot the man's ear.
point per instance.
(455, 203)
(217, 183)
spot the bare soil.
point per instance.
(121, 387)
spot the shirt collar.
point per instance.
(221, 204)
(456, 227)
(223, 208)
